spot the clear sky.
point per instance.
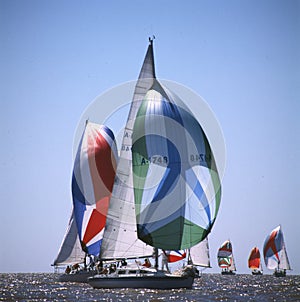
(56, 57)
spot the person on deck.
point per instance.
(147, 263)
(68, 270)
(123, 262)
(164, 261)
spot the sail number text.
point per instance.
(156, 159)
(200, 158)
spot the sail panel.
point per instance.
(225, 256)
(170, 155)
(254, 259)
(284, 260)
(70, 251)
(274, 250)
(92, 182)
(174, 256)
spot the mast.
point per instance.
(156, 258)
(152, 55)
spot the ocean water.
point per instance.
(210, 287)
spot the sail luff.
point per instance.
(120, 236)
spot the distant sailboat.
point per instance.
(167, 189)
(225, 259)
(275, 254)
(254, 262)
(92, 181)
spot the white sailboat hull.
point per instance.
(156, 281)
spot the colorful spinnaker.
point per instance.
(92, 183)
(254, 262)
(174, 256)
(225, 258)
(176, 182)
(275, 254)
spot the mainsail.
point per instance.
(92, 182)
(225, 256)
(199, 254)
(70, 251)
(254, 262)
(120, 238)
(275, 252)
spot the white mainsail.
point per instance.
(120, 237)
(232, 267)
(284, 260)
(70, 251)
(200, 254)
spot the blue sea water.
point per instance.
(210, 287)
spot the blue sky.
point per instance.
(242, 57)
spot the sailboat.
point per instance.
(254, 262)
(225, 259)
(167, 190)
(275, 254)
(92, 181)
